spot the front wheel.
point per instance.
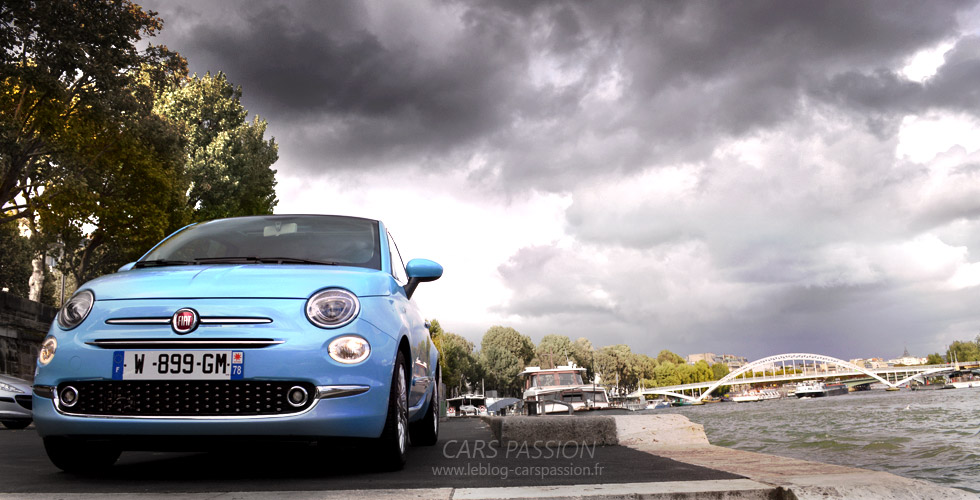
(79, 456)
(393, 444)
(425, 432)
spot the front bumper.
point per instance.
(15, 407)
(347, 400)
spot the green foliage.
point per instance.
(552, 351)
(15, 262)
(964, 350)
(104, 148)
(128, 192)
(667, 374)
(228, 159)
(504, 353)
(719, 371)
(935, 359)
(70, 73)
(666, 355)
(584, 355)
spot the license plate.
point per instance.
(178, 365)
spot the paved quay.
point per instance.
(607, 457)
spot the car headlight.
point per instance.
(48, 347)
(76, 310)
(349, 349)
(332, 308)
(9, 388)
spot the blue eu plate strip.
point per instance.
(118, 357)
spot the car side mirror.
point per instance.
(418, 271)
(127, 267)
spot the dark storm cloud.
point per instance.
(343, 92)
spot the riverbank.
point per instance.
(677, 438)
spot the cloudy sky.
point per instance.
(735, 177)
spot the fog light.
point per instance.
(297, 396)
(69, 396)
(349, 349)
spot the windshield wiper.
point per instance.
(163, 262)
(262, 260)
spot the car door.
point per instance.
(421, 343)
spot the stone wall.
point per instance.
(23, 325)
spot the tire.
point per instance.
(80, 456)
(15, 424)
(425, 432)
(393, 443)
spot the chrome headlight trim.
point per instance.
(332, 308)
(76, 310)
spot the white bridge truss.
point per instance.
(771, 361)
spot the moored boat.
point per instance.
(816, 389)
(963, 380)
(556, 390)
(754, 395)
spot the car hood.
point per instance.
(246, 281)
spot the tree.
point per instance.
(935, 359)
(15, 264)
(666, 355)
(584, 355)
(667, 374)
(719, 371)
(615, 364)
(459, 365)
(504, 353)
(129, 194)
(553, 350)
(228, 159)
(75, 108)
(703, 372)
(965, 351)
(70, 72)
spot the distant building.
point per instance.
(708, 357)
(732, 361)
(870, 363)
(907, 360)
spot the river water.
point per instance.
(932, 435)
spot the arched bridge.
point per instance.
(797, 366)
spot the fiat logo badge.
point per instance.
(184, 321)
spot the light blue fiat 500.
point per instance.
(295, 327)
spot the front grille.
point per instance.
(25, 401)
(191, 398)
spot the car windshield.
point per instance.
(313, 239)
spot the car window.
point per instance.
(397, 264)
(348, 241)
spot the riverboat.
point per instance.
(555, 390)
(755, 395)
(963, 380)
(819, 390)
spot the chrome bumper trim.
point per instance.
(339, 391)
(182, 343)
(205, 320)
